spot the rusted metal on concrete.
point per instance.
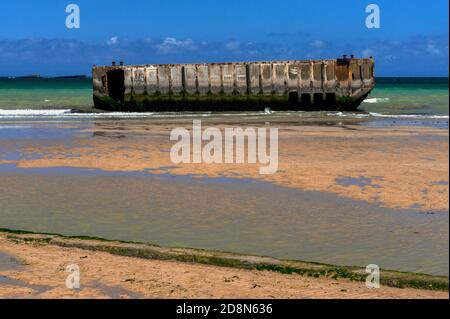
(340, 84)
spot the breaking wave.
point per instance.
(65, 113)
(377, 100)
(28, 112)
(409, 116)
(379, 115)
(70, 114)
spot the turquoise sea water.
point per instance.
(392, 96)
(41, 93)
(426, 96)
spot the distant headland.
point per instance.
(38, 76)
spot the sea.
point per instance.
(56, 98)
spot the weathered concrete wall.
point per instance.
(317, 81)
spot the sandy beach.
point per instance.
(400, 172)
(36, 270)
(397, 167)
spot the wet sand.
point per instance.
(237, 215)
(345, 193)
(401, 166)
(42, 275)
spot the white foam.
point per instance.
(28, 112)
(349, 114)
(374, 114)
(409, 116)
(64, 113)
(68, 114)
(377, 100)
(267, 110)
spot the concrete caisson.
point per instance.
(340, 84)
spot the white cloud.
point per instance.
(113, 41)
(433, 50)
(367, 53)
(390, 58)
(317, 44)
(170, 45)
(426, 55)
(233, 45)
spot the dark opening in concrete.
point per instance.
(116, 85)
(318, 98)
(293, 98)
(330, 98)
(306, 99)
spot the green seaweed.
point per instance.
(310, 269)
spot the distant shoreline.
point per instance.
(37, 77)
(388, 79)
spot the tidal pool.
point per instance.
(237, 215)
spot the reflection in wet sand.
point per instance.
(8, 262)
(404, 162)
(344, 193)
(225, 214)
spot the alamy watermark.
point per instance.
(373, 279)
(373, 20)
(228, 148)
(73, 279)
(73, 19)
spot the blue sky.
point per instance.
(412, 40)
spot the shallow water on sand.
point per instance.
(8, 262)
(224, 214)
(238, 215)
